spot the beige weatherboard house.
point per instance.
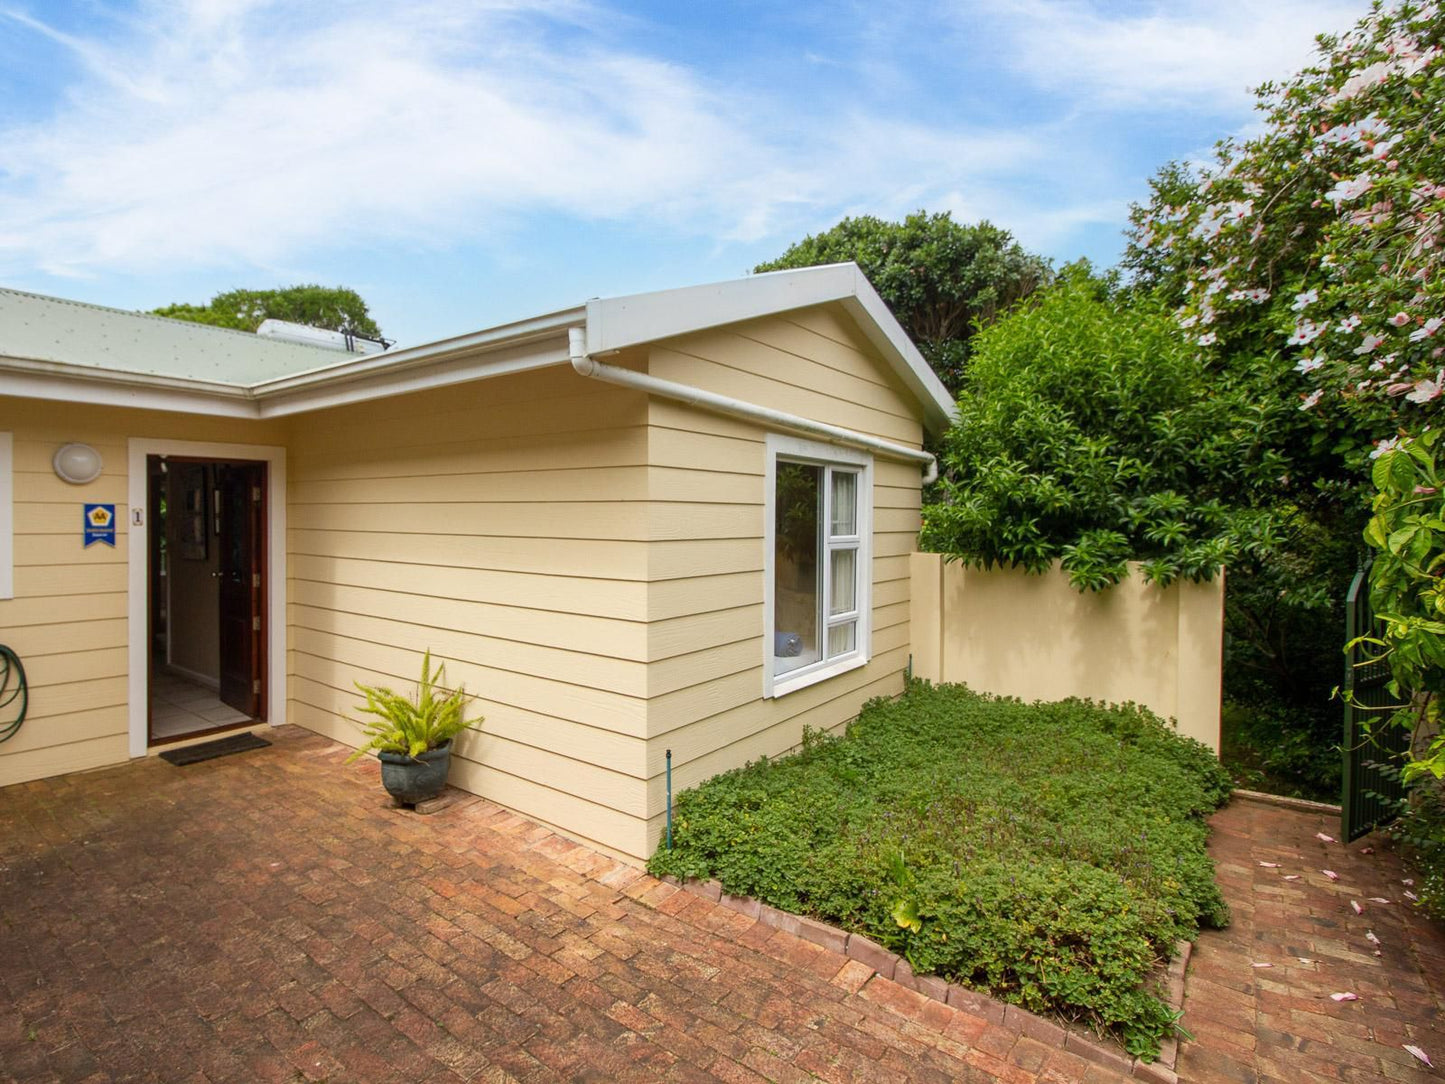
(670, 521)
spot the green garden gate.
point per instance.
(1372, 756)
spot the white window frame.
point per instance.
(797, 449)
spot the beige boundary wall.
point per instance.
(1036, 638)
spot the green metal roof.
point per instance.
(38, 328)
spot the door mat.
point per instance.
(194, 754)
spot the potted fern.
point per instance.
(412, 736)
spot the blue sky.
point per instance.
(463, 163)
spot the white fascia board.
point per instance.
(614, 323)
(883, 330)
(105, 387)
(618, 322)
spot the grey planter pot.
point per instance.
(415, 779)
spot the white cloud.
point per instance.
(254, 133)
(1156, 55)
(237, 132)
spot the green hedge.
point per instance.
(1048, 853)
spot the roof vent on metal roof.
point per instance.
(307, 335)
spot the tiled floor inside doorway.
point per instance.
(180, 707)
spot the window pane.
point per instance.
(845, 503)
(797, 575)
(841, 639)
(845, 575)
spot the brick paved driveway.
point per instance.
(264, 917)
(1278, 1024)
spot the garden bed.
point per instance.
(1049, 854)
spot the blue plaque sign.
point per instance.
(100, 524)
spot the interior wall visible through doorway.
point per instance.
(190, 571)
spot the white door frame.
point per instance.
(139, 580)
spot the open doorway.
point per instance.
(207, 579)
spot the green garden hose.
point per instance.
(13, 686)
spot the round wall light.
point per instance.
(77, 463)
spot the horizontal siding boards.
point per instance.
(623, 600)
(67, 620)
(469, 411)
(705, 634)
(35, 454)
(522, 486)
(550, 801)
(41, 426)
(784, 350)
(616, 791)
(717, 660)
(568, 632)
(44, 487)
(787, 351)
(23, 613)
(81, 693)
(675, 445)
(76, 756)
(339, 662)
(311, 625)
(608, 560)
(72, 578)
(841, 408)
(40, 732)
(42, 671)
(346, 661)
(601, 518)
(471, 453)
(830, 337)
(701, 594)
(61, 637)
(678, 559)
(40, 549)
(701, 631)
(672, 711)
(619, 753)
(504, 525)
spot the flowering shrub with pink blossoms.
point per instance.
(1321, 240)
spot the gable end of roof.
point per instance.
(619, 322)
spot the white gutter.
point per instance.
(587, 366)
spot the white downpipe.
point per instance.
(585, 365)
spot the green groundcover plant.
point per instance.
(1050, 854)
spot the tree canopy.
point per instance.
(336, 308)
(1089, 432)
(941, 278)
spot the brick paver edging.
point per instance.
(894, 967)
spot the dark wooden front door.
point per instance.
(241, 510)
